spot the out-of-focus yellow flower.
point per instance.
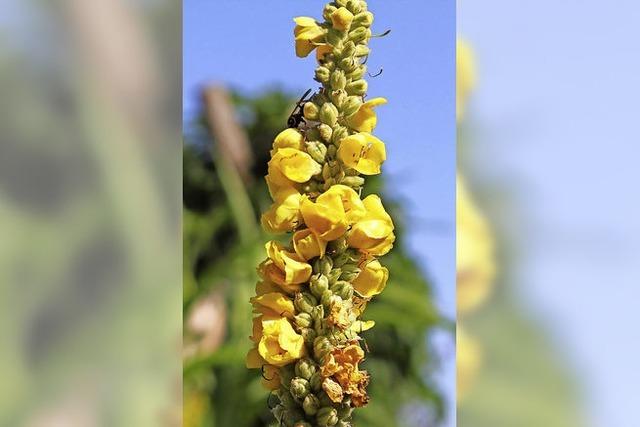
(273, 303)
(468, 359)
(465, 76)
(308, 245)
(194, 408)
(362, 152)
(286, 269)
(284, 214)
(308, 34)
(365, 119)
(373, 234)
(372, 279)
(353, 207)
(341, 19)
(288, 138)
(326, 216)
(289, 166)
(474, 252)
(280, 344)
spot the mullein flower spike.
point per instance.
(313, 292)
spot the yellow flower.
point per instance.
(273, 303)
(326, 217)
(373, 234)
(289, 166)
(353, 207)
(465, 76)
(286, 269)
(322, 50)
(475, 266)
(284, 215)
(362, 152)
(308, 245)
(372, 279)
(308, 34)
(288, 138)
(365, 119)
(341, 19)
(270, 373)
(280, 344)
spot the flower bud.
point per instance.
(316, 382)
(328, 11)
(351, 106)
(334, 38)
(354, 6)
(311, 404)
(321, 347)
(319, 284)
(286, 399)
(342, 3)
(317, 150)
(343, 289)
(324, 265)
(338, 80)
(334, 275)
(349, 49)
(325, 132)
(345, 410)
(358, 87)
(362, 50)
(359, 34)
(332, 151)
(311, 187)
(312, 134)
(326, 298)
(338, 97)
(299, 388)
(328, 114)
(286, 375)
(340, 132)
(349, 272)
(327, 417)
(304, 302)
(362, 19)
(305, 367)
(317, 313)
(310, 111)
(326, 172)
(308, 335)
(347, 64)
(354, 182)
(357, 73)
(323, 74)
(303, 320)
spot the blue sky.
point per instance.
(556, 115)
(249, 45)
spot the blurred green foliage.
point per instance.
(219, 259)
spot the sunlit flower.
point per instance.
(326, 216)
(289, 166)
(273, 303)
(308, 245)
(353, 207)
(372, 279)
(362, 152)
(286, 269)
(288, 138)
(373, 234)
(308, 34)
(284, 214)
(280, 344)
(341, 19)
(365, 119)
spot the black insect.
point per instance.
(297, 116)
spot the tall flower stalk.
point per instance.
(313, 292)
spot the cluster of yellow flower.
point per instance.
(474, 245)
(312, 293)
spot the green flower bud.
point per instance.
(287, 400)
(308, 335)
(327, 417)
(316, 382)
(286, 373)
(317, 313)
(311, 187)
(305, 367)
(357, 73)
(347, 64)
(349, 49)
(338, 97)
(311, 404)
(325, 264)
(334, 37)
(303, 320)
(321, 347)
(354, 182)
(278, 412)
(359, 34)
(345, 410)
(310, 111)
(338, 80)
(362, 50)
(341, 3)
(325, 132)
(332, 151)
(323, 74)
(319, 284)
(340, 132)
(328, 114)
(359, 87)
(328, 11)
(326, 172)
(349, 272)
(304, 302)
(334, 275)
(354, 6)
(351, 106)
(317, 150)
(343, 289)
(326, 298)
(339, 245)
(362, 19)
(299, 388)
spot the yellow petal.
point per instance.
(273, 302)
(288, 138)
(362, 152)
(284, 215)
(365, 119)
(372, 279)
(326, 217)
(308, 245)
(341, 19)
(270, 377)
(353, 207)
(254, 360)
(291, 165)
